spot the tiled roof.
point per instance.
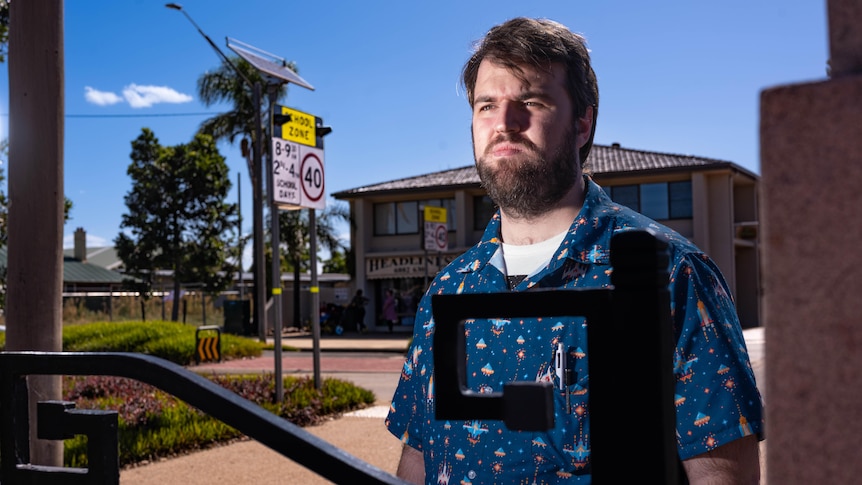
(603, 160)
(76, 272)
(455, 177)
(104, 256)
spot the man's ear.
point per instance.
(584, 125)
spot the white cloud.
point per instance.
(101, 98)
(146, 96)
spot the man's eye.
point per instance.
(486, 107)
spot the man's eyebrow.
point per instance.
(486, 98)
(533, 95)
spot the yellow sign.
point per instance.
(208, 349)
(435, 214)
(300, 129)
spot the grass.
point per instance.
(169, 340)
(154, 424)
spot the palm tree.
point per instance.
(225, 85)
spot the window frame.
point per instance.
(678, 208)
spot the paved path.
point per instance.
(372, 362)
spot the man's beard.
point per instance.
(528, 184)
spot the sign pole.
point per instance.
(422, 240)
(299, 183)
(315, 298)
(276, 261)
(257, 219)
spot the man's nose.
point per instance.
(510, 118)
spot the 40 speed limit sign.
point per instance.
(297, 175)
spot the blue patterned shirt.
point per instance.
(715, 393)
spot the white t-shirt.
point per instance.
(526, 260)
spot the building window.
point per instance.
(654, 201)
(391, 218)
(680, 199)
(659, 201)
(449, 205)
(626, 195)
(395, 218)
(483, 210)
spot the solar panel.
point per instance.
(267, 63)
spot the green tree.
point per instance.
(177, 217)
(4, 29)
(295, 235)
(337, 263)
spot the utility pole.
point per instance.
(275, 229)
(34, 293)
(256, 181)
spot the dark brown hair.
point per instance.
(540, 43)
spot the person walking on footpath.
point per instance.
(390, 306)
(534, 99)
(357, 311)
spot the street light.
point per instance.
(256, 180)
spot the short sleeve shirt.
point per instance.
(716, 398)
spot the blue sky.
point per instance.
(674, 76)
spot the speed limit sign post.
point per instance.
(311, 178)
(298, 177)
(436, 229)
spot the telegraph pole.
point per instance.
(34, 294)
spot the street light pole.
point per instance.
(256, 180)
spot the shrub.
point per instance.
(169, 340)
(154, 424)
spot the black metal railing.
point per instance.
(250, 419)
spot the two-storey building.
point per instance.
(711, 202)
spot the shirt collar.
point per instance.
(587, 240)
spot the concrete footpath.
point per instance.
(372, 361)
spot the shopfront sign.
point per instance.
(405, 266)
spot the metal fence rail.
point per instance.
(250, 419)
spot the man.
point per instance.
(535, 100)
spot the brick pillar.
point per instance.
(811, 164)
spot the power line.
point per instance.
(148, 115)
